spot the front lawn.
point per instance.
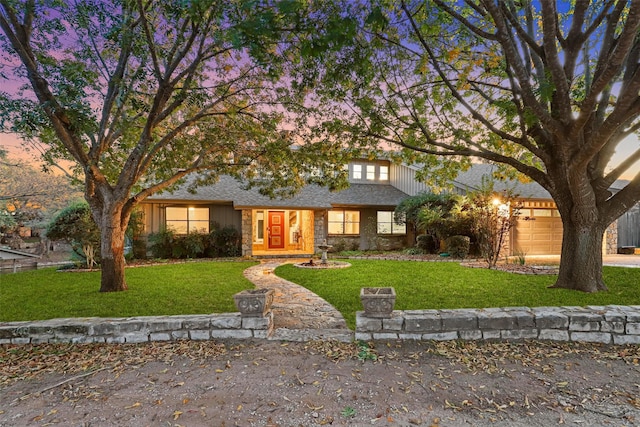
(189, 288)
(438, 285)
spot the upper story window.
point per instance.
(368, 171)
(184, 220)
(384, 173)
(357, 171)
(371, 172)
(388, 225)
(344, 222)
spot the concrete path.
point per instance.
(298, 314)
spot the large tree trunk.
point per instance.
(112, 240)
(581, 260)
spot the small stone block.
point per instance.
(385, 336)
(200, 334)
(230, 321)
(425, 322)
(136, 338)
(626, 339)
(41, 339)
(597, 337)
(441, 336)
(230, 334)
(470, 335)
(5, 341)
(459, 320)
(115, 340)
(180, 335)
(610, 326)
(519, 334)
(20, 340)
(496, 320)
(633, 328)
(166, 324)
(393, 324)
(550, 319)
(256, 322)
(198, 322)
(490, 335)
(367, 324)
(363, 336)
(553, 335)
(412, 337)
(259, 334)
(159, 336)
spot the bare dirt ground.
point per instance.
(269, 383)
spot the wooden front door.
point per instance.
(276, 231)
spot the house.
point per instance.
(10, 258)
(359, 217)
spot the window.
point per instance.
(384, 173)
(184, 220)
(388, 225)
(371, 172)
(357, 171)
(344, 222)
(259, 231)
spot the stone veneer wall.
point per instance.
(611, 239)
(600, 324)
(247, 243)
(137, 329)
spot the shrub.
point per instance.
(427, 243)
(224, 242)
(190, 246)
(458, 246)
(161, 243)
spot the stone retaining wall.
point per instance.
(611, 324)
(137, 329)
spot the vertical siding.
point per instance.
(404, 179)
(629, 228)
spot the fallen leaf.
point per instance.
(176, 414)
(135, 405)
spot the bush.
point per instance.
(427, 243)
(458, 246)
(224, 242)
(161, 243)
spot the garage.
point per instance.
(538, 231)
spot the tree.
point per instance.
(492, 216)
(75, 225)
(138, 94)
(30, 195)
(547, 89)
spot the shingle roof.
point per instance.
(471, 180)
(228, 189)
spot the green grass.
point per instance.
(190, 288)
(439, 285)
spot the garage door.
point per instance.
(538, 235)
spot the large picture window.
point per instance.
(388, 225)
(185, 220)
(344, 222)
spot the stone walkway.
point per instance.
(298, 314)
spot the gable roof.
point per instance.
(230, 190)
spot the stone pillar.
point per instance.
(247, 231)
(610, 240)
